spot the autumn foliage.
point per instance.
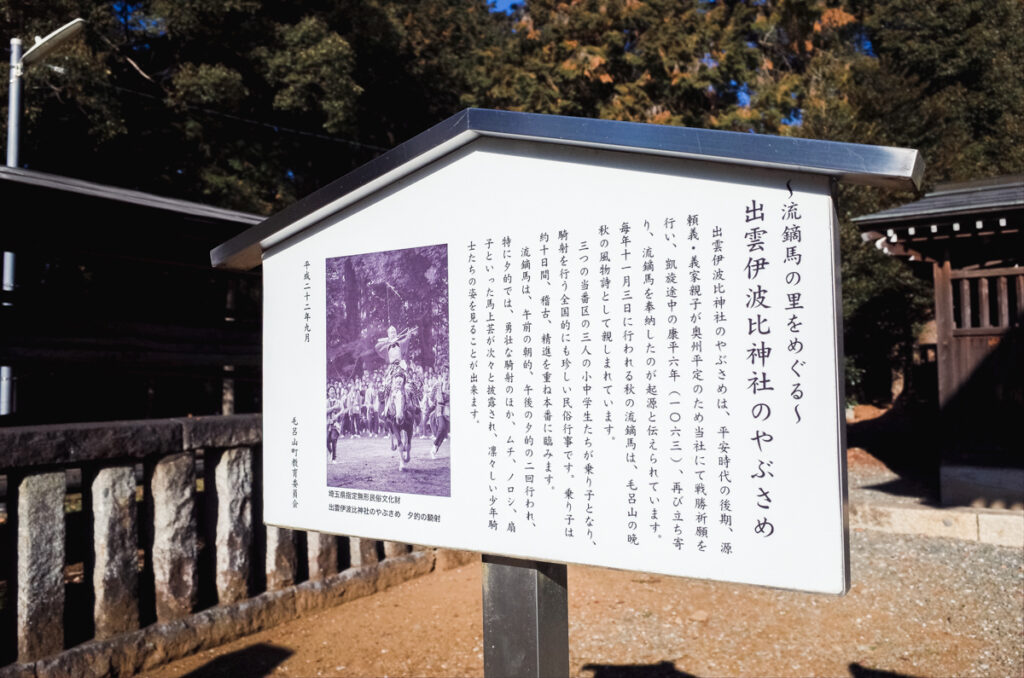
(251, 104)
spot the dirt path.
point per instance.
(370, 464)
(918, 607)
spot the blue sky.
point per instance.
(501, 5)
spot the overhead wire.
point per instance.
(260, 123)
(250, 121)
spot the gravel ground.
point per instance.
(872, 482)
(918, 606)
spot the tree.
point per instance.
(367, 294)
(251, 104)
(935, 76)
(247, 104)
(71, 91)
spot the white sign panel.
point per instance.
(568, 355)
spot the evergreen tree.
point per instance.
(247, 104)
(251, 104)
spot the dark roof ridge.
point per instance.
(970, 185)
(126, 195)
(962, 198)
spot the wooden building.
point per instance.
(972, 235)
(116, 313)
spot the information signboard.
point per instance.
(623, 360)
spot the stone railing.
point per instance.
(123, 541)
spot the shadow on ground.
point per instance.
(904, 439)
(858, 671)
(667, 669)
(254, 661)
(663, 669)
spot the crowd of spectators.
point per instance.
(355, 405)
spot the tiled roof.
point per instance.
(955, 199)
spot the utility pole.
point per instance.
(38, 51)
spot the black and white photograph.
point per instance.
(388, 409)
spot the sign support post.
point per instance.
(526, 618)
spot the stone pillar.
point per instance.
(362, 551)
(281, 561)
(393, 549)
(173, 487)
(322, 550)
(40, 566)
(234, 524)
(115, 576)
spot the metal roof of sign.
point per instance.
(899, 168)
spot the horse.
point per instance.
(399, 415)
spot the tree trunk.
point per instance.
(427, 339)
(351, 300)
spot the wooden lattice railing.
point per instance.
(987, 301)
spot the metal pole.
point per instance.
(13, 130)
(6, 392)
(526, 619)
(14, 104)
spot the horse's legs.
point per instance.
(405, 434)
(396, 444)
(442, 433)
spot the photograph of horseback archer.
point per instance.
(388, 409)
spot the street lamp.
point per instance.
(35, 53)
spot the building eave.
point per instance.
(65, 184)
